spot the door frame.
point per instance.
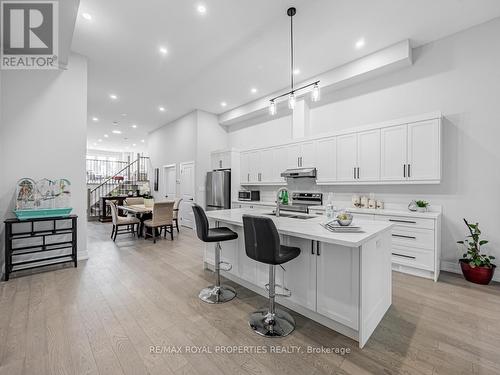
(164, 176)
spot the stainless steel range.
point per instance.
(301, 201)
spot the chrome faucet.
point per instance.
(278, 200)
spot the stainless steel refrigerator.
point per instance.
(218, 190)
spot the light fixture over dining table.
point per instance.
(292, 94)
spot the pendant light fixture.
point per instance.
(292, 94)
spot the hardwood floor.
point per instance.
(104, 316)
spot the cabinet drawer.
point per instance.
(411, 222)
(418, 238)
(413, 257)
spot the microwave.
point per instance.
(249, 195)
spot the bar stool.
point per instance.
(215, 293)
(262, 243)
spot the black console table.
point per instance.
(39, 242)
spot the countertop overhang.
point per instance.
(308, 229)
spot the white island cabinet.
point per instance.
(340, 280)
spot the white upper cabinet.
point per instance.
(221, 160)
(424, 151)
(254, 166)
(393, 153)
(347, 149)
(326, 161)
(267, 166)
(244, 167)
(280, 162)
(368, 156)
(307, 157)
(293, 156)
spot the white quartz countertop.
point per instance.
(308, 229)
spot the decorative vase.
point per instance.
(421, 209)
(477, 275)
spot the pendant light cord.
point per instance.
(291, 50)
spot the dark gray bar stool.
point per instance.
(215, 293)
(262, 243)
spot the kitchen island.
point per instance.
(340, 280)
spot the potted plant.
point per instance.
(148, 200)
(422, 205)
(476, 267)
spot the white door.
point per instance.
(266, 164)
(393, 144)
(326, 160)
(369, 156)
(424, 156)
(187, 193)
(170, 181)
(347, 157)
(338, 284)
(245, 168)
(307, 155)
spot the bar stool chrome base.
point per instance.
(217, 294)
(279, 324)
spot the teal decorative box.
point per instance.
(42, 213)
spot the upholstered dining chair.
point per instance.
(163, 218)
(121, 221)
(134, 200)
(177, 204)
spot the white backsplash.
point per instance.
(395, 197)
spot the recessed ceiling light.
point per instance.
(116, 132)
(142, 140)
(133, 145)
(87, 16)
(161, 109)
(163, 50)
(113, 96)
(134, 126)
(360, 43)
(223, 104)
(95, 119)
(253, 90)
(99, 140)
(95, 144)
(296, 71)
(106, 136)
(202, 9)
(124, 115)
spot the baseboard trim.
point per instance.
(82, 255)
(454, 267)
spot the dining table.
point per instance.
(141, 211)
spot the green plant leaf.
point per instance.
(483, 242)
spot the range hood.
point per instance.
(299, 173)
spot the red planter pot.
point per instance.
(478, 275)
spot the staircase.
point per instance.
(130, 178)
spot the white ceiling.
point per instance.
(236, 45)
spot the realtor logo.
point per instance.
(29, 34)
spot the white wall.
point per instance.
(43, 133)
(210, 137)
(458, 75)
(172, 143)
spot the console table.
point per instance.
(40, 242)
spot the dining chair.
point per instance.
(134, 200)
(177, 203)
(121, 221)
(163, 218)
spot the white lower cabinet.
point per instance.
(338, 284)
(300, 273)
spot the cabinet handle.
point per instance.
(403, 221)
(358, 173)
(404, 170)
(317, 248)
(401, 236)
(312, 247)
(220, 163)
(260, 176)
(409, 173)
(248, 177)
(403, 256)
(354, 169)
